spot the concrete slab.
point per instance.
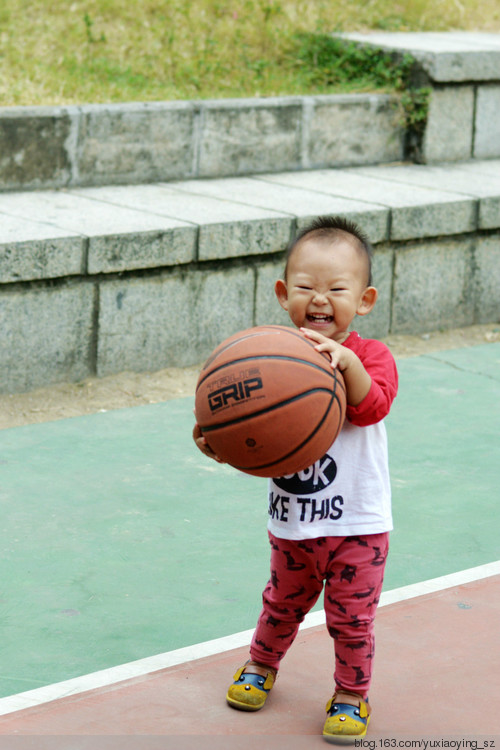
(487, 126)
(152, 240)
(35, 146)
(432, 41)
(468, 179)
(146, 320)
(168, 224)
(76, 212)
(488, 206)
(415, 211)
(302, 204)
(226, 228)
(433, 285)
(134, 142)
(30, 352)
(249, 135)
(33, 250)
(487, 277)
(482, 166)
(465, 177)
(449, 138)
(352, 129)
(445, 56)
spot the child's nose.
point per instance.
(319, 298)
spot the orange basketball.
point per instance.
(268, 403)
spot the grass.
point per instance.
(54, 52)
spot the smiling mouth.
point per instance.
(319, 318)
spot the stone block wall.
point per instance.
(463, 122)
(138, 143)
(48, 335)
(160, 295)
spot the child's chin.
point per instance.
(327, 328)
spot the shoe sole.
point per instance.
(345, 739)
(243, 706)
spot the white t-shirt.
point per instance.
(345, 493)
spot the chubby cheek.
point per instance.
(297, 314)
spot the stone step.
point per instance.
(103, 279)
(52, 234)
(446, 56)
(146, 142)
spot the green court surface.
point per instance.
(120, 541)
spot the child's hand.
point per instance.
(339, 355)
(357, 380)
(202, 444)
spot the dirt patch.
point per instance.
(133, 389)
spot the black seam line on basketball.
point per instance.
(228, 346)
(283, 357)
(239, 420)
(249, 335)
(339, 383)
(253, 334)
(298, 447)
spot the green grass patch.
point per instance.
(324, 62)
(64, 52)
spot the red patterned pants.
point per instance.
(352, 571)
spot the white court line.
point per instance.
(142, 667)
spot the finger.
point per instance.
(209, 452)
(324, 346)
(205, 448)
(312, 334)
(334, 361)
(201, 443)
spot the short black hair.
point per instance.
(333, 227)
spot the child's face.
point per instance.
(326, 287)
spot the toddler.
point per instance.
(329, 525)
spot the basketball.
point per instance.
(268, 403)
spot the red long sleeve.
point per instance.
(380, 365)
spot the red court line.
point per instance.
(436, 675)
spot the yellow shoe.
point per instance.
(346, 723)
(251, 686)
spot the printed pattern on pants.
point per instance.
(351, 569)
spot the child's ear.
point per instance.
(281, 293)
(367, 302)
